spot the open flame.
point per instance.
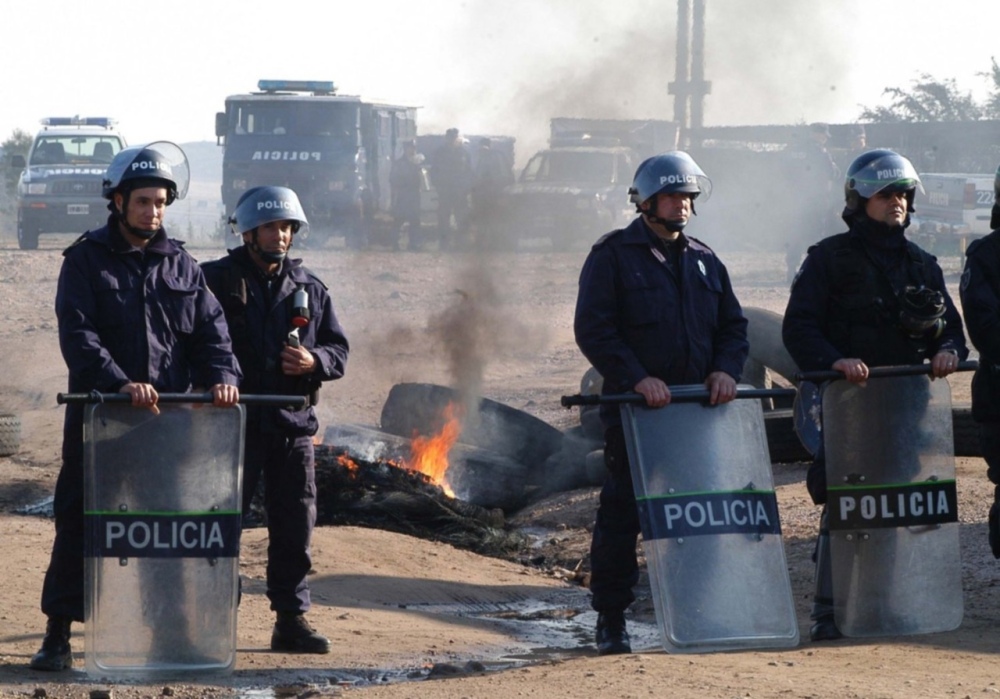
(429, 455)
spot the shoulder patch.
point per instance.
(607, 236)
(698, 244)
(76, 242)
(963, 284)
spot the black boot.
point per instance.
(293, 634)
(825, 629)
(55, 653)
(612, 638)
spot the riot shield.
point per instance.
(710, 527)
(892, 506)
(162, 509)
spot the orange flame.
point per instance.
(429, 455)
(348, 463)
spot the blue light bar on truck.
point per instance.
(317, 86)
(105, 122)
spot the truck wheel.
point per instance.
(10, 434)
(27, 236)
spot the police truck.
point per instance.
(334, 150)
(59, 190)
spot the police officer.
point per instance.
(134, 317)
(288, 341)
(980, 292)
(864, 298)
(407, 179)
(655, 307)
(815, 175)
(451, 175)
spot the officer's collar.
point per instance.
(159, 243)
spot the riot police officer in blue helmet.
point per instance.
(115, 339)
(655, 308)
(162, 166)
(868, 297)
(288, 341)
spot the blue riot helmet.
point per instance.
(875, 171)
(666, 173)
(675, 171)
(159, 164)
(260, 205)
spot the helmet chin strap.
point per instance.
(272, 257)
(143, 233)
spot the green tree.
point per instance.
(928, 99)
(991, 109)
(19, 142)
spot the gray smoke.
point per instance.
(521, 64)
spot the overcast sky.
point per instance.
(164, 69)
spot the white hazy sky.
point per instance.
(163, 69)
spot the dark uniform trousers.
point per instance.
(287, 465)
(613, 563)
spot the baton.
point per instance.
(678, 394)
(245, 399)
(880, 371)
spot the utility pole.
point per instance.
(689, 86)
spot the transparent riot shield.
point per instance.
(892, 506)
(162, 509)
(710, 527)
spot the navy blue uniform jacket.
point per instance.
(636, 317)
(144, 317)
(980, 292)
(260, 323)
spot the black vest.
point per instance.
(864, 304)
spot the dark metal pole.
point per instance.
(680, 87)
(245, 399)
(699, 86)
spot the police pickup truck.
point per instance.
(577, 189)
(954, 208)
(59, 190)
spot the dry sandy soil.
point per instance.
(409, 617)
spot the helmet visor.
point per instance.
(173, 156)
(891, 172)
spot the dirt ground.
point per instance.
(409, 617)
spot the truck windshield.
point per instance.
(571, 166)
(75, 149)
(335, 120)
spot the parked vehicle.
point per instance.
(954, 209)
(335, 151)
(59, 190)
(577, 189)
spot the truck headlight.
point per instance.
(239, 185)
(36, 187)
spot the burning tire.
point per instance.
(567, 468)
(476, 476)
(766, 346)
(10, 434)
(419, 408)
